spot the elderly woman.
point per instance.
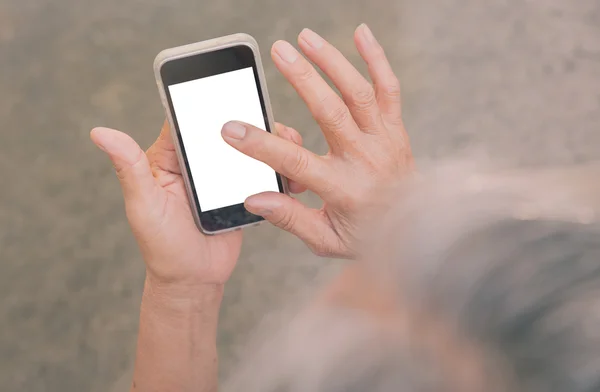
(460, 283)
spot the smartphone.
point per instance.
(203, 86)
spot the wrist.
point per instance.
(177, 338)
(175, 300)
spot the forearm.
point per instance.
(177, 339)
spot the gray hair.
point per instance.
(510, 265)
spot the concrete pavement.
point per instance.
(518, 79)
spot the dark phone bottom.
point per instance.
(227, 218)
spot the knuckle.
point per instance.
(335, 117)
(255, 146)
(295, 165)
(123, 170)
(363, 98)
(391, 88)
(254, 149)
(285, 221)
(304, 74)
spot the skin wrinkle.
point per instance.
(178, 259)
(450, 303)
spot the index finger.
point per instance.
(285, 157)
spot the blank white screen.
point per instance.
(222, 175)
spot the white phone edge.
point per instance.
(192, 50)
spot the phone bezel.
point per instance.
(192, 62)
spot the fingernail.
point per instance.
(233, 130)
(368, 34)
(313, 39)
(94, 134)
(286, 51)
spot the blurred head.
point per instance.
(471, 283)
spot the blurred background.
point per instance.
(517, 79)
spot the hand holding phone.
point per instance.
(176, 253)
(369, 149)
(203, 86)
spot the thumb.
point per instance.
(287, 213)
(130, 162)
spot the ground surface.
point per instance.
(519, 78)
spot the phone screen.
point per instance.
(223, 176)
(205, 93)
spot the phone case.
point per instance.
(192, 50)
